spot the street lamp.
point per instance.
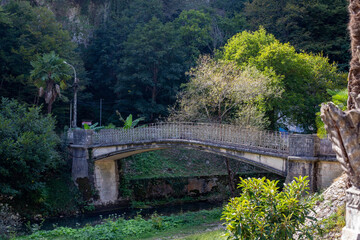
(75, 95)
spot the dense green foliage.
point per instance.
(262, 212)
(136, 53)
(339, 98)
(27, 152)
(137, 228)
(182, 35)
(49, 74)
(145, 54)
(219, 91)
(304, 77)
(28, 32)
(313, 26)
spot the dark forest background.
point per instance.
(134, 54)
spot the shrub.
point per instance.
(10, 222)
(262, 212)
(28, 153)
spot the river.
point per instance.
(96, 217)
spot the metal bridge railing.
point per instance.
(223, 134)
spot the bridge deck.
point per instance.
(223, 134)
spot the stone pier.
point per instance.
(107, 181)
(352, 229)
(312, 157)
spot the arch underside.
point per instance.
(270, 161)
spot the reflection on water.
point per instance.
(96, 218)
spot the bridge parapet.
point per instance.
(289, 155)
(303, 145)
(313, 157)
(224, 134)
(308, 145)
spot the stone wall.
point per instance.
(179, 187)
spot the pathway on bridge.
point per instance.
(224, 134)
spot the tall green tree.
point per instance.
(104, 56)
(33, 31)
(317, 26)
(305, 77)
(151, 69)
(220, 91)
(27, 152)
(28, 32)
(49, 74)
(194, 28)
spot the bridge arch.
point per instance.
(270, 161)
(280, 153)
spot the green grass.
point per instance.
(133, 229)
(336, 221)
(213, 235)
(179, 163)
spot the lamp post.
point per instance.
(75, 95)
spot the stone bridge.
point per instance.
(95, 154)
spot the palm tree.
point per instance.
(49, 74)
(354, 73)
(343, 126)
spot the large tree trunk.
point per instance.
(354, 73)
(49, 107)
(343, 127)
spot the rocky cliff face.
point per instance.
(81, 17)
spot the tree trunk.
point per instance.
(49, 107)
(155, 82)
(343, 127)
(354, 73)
(231, 178)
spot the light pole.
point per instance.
(75, 95)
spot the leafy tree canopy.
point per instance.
(49, 75)
(28, 32)
(313, 26)
(304, 77)
(27, 151)
(146, 58)
(263, 212)
(151, 69)
(220, 91)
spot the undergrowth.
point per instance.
(137, 228)
(336, 221)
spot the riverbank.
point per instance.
(98, 216)
(116, 227)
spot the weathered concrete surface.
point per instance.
(80, 166)
(304, 145)
(106, 181)
(273, 162)
(321, 171)
(200, 185)
(352, 229)
(305, 157)
(302, 166)
(328, 170)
